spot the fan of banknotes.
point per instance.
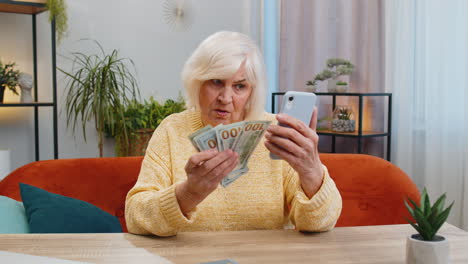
(241, 137)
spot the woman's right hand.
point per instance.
(205, 170)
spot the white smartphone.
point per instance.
(299, 105)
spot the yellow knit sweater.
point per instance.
(264, 198)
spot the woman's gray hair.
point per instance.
(219, 57)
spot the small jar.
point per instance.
(343, 119)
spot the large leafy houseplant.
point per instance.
(100, 86)
(8, 78)
(427, 246)
(132, 133)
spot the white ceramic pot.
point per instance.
(311, 88)
(342, 88)
(331, 85)
(427, 252)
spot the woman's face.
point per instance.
(224, 101)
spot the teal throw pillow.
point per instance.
(52, 213)
(12, 217)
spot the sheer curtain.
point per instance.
(427, 70)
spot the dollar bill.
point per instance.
(228, 134)
(234, 175)
(199, 132)
(207, 140)
(252, 132)
(242, 137)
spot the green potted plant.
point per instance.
(427, 246)
(336, 67)
(342, 121)
(133, 132)
(58, 12)
(99, 87)
(8, 78)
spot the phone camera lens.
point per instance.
(291, 98)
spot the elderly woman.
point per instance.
(178, 188)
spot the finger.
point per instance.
(284, 154)
(212, 163)
(224, 169)
(288, 145)
(295, 123)
(289, 133)
(196, 159)
(313, 121)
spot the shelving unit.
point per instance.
(33, 8)
(359, 134)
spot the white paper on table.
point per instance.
(10, 257)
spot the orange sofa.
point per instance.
(372, 189)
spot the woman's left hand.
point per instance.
(298, 145)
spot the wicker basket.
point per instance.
(138, 142)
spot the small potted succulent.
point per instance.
(336, 67)
(426, 246)
(342, 121)
(8, 78)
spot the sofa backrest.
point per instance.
(372, 189)
(103, 182)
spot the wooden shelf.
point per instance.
(26, 104)
(23, 7)
(352, 134)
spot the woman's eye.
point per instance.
(239, 86)
(217, 82)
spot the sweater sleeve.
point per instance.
(317, 214)
(151, 206)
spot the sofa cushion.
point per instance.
(52, 213)
(12, 217)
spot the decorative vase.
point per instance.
(311, 88)
(419, 251)
(25, 82)
(342, 119)
(331, 85)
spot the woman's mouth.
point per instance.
(221, 113)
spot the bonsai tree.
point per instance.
(100, 86)
(8, 78)
(335, 67)
(133, 132)
(428, 219)
(58, 12)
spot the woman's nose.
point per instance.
(225, 95)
